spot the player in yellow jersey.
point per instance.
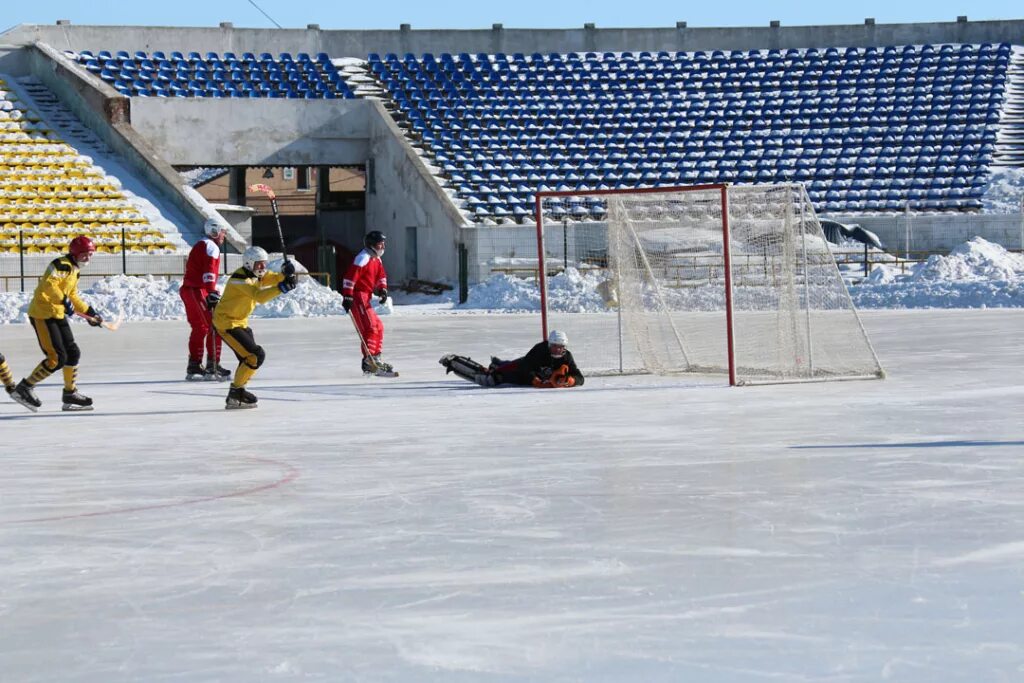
(249, 285)
(6, 377)
(55, 300)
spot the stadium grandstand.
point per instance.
(115, 131)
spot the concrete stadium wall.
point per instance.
(939, 232)
(508, 40)
(251, 132)
(401, 195)
(13, 61)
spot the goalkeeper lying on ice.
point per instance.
(548, 365)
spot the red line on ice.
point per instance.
(291, 473)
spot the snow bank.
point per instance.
(977, 274)
(149, 298)
(1004, 190)
(570, 291)
(972, 261)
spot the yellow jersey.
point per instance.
(59, 280)
(241, 294)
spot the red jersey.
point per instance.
(202, 266)
(365, 275)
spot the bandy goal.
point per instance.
(736, 280)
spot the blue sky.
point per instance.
(513, 14)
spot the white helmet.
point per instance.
(254, 255)
(213, 228)
(560, 338)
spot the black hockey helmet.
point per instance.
(373, 238)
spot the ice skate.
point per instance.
(74, 401)
(373, 365)
(195, 372)
(240, 399)
(216, 373)
(24, 395)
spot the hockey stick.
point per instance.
(362, 341)
(103, 323)
(267, 190)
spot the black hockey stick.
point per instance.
(267, 190)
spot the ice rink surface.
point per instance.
(423, 529)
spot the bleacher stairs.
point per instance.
(51, 192)
(1010, 140)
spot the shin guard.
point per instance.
(464, 367)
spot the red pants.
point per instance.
(201, 320)
(367, 322)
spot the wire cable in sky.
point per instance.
(265, 14)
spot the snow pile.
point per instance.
(972, 261)
(976, 274)
(149, 298)
(14, 307)
(141, 298)
(1004, 191)
(309, 299)
(569, 292)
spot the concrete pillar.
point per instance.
(236, 186)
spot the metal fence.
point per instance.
(21, 269)
(512, 250)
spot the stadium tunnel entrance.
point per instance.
(322, 210)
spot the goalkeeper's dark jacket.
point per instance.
(539, 363)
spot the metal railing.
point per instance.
(27, 283)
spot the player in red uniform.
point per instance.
(364, 279)
(199, 292)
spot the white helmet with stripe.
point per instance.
(213, 228)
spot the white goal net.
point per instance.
(713, 279)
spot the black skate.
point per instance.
(216, 373)
(74, 401)
(240, 399)
(373, 365)
(195, 372)
(446, 361)
(24, 395)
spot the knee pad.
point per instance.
(74, 354)
(60, 360)
(259, 355)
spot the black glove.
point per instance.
(544, 373)
(94, 319)
(288, 268)
(286, 285)
(212, 299)
(69, 308)
(382, 293)
(346, 303)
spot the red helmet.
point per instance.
(81, 245)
